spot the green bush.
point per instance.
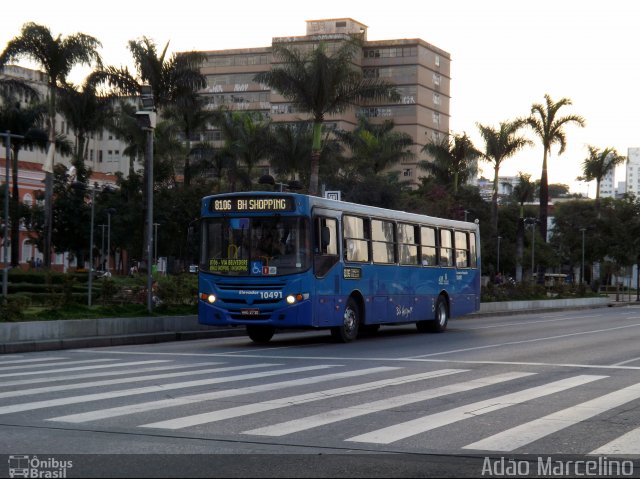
(527, 291)
(178, 290)
(13, 307)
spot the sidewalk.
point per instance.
(29, 336)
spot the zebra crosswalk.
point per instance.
(370, 407)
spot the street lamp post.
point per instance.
(155, 242)
(147, 120)
(81, 186)
(5, 239)
(110, 211)
(498, 262)
(582, 268)
(270, 180)
(102, 245)
(532, 222)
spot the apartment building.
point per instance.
(632, 171)
(104, 158)
(420, 71)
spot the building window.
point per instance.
(406, 172)
(99, 156)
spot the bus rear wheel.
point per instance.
(260, 334)
(348, 331)
(439, 324)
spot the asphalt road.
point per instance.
(548, 394)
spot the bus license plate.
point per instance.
(250, 312)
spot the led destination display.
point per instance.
(252, 204)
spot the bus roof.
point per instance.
(355, 208)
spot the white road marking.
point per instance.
(329, 417)
(423, 424)
(29, 406)
(184, 400)
(533, 430)
(213, 416)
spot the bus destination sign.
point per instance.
(252, 204)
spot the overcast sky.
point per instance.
(506, 54)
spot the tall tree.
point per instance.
(597, 165)
(57, 56)
(321, 84)
(26, 121)
(549, 127)
(501, 144)
(375, 147)
(172, 79)
(290, 149)
(247, 139)
(191, 116)
(524, 191)
(454, 160)
(87, 111)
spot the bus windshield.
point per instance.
(255, 246)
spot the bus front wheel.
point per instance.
(260, 334)
(348, 331)
(440, 321)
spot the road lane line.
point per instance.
(329, 417)
(185, 400)
(627, 444)
(423, 424)
(526, 341)
(46, 365)
(93, 375)
(219, 415)
(533, 430)
(37, 360)
(135, 379)
(29, 406)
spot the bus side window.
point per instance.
(325, 238)
(325, 245)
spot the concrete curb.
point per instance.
(28, 336)
(90, 333)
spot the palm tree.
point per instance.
(25, 122)
(322, 84)
(171, 79)
(597, 165)
(191, 117)
(550, 129)
(524, 191)
(501, 144)
(247, 139)
(57, 56)
(454, 159)
(87, 111)
(376, 147)
(290, 149)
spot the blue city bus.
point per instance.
(271, 261)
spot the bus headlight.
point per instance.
(209, 298)
(295, 298)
